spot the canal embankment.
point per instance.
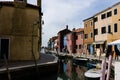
(24, 70)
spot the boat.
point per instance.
(93, 73)
(80, 60)
(93, 63)
(62, 56)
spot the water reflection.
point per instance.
(68, 71)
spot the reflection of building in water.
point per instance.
(80, 72)
(69, 69)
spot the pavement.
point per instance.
(117, 70)
(44, 59)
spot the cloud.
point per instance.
(63, 11)
(59, 13)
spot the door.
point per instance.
(91, 49)
(4, 48)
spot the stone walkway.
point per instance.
(117, 70)
(44, 59)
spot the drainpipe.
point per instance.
(33, 48)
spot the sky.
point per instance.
(59, 13)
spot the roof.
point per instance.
(11, 3)
(107, 8)
(88, 18)
(64, 30)
(79, 30)
(102, 11)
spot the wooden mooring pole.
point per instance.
(6, 65)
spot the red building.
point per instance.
(61, 35)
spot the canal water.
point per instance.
(67, 70)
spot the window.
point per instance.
(0, 5)
(103, 30)
(76, 37)
(103, 16)
(85, 25)
(91, 23)
(95, 31)
(109, 14)
(109, 28)
(75, 46)
(80, 46)
(91, 34)
(86, 36)
(115, 11)
(20, 0)
(95, 19)
(115, 27)
(97, 45)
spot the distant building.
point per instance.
(61, 38)
(79, 40)
(20, 30)
(52, 44)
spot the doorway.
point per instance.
(4, 48)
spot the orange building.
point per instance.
(89, 35)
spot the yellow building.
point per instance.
(106, 27)
(89, 35)
(20, 30)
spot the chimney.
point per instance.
(73, 29)
(20, 3)
(39, 3)
(66, 26)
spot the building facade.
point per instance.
(106, 27)
(89, 36)
(20, 30)
(61, 38)
(70, 42)
(75, 41)
(79, 40)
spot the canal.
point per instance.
(68, 70)
(65, 69)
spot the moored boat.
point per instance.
(93, 74)
(80, 60)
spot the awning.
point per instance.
(99, 42)
(116, 42)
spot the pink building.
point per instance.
(79, 41)
(75, 41)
